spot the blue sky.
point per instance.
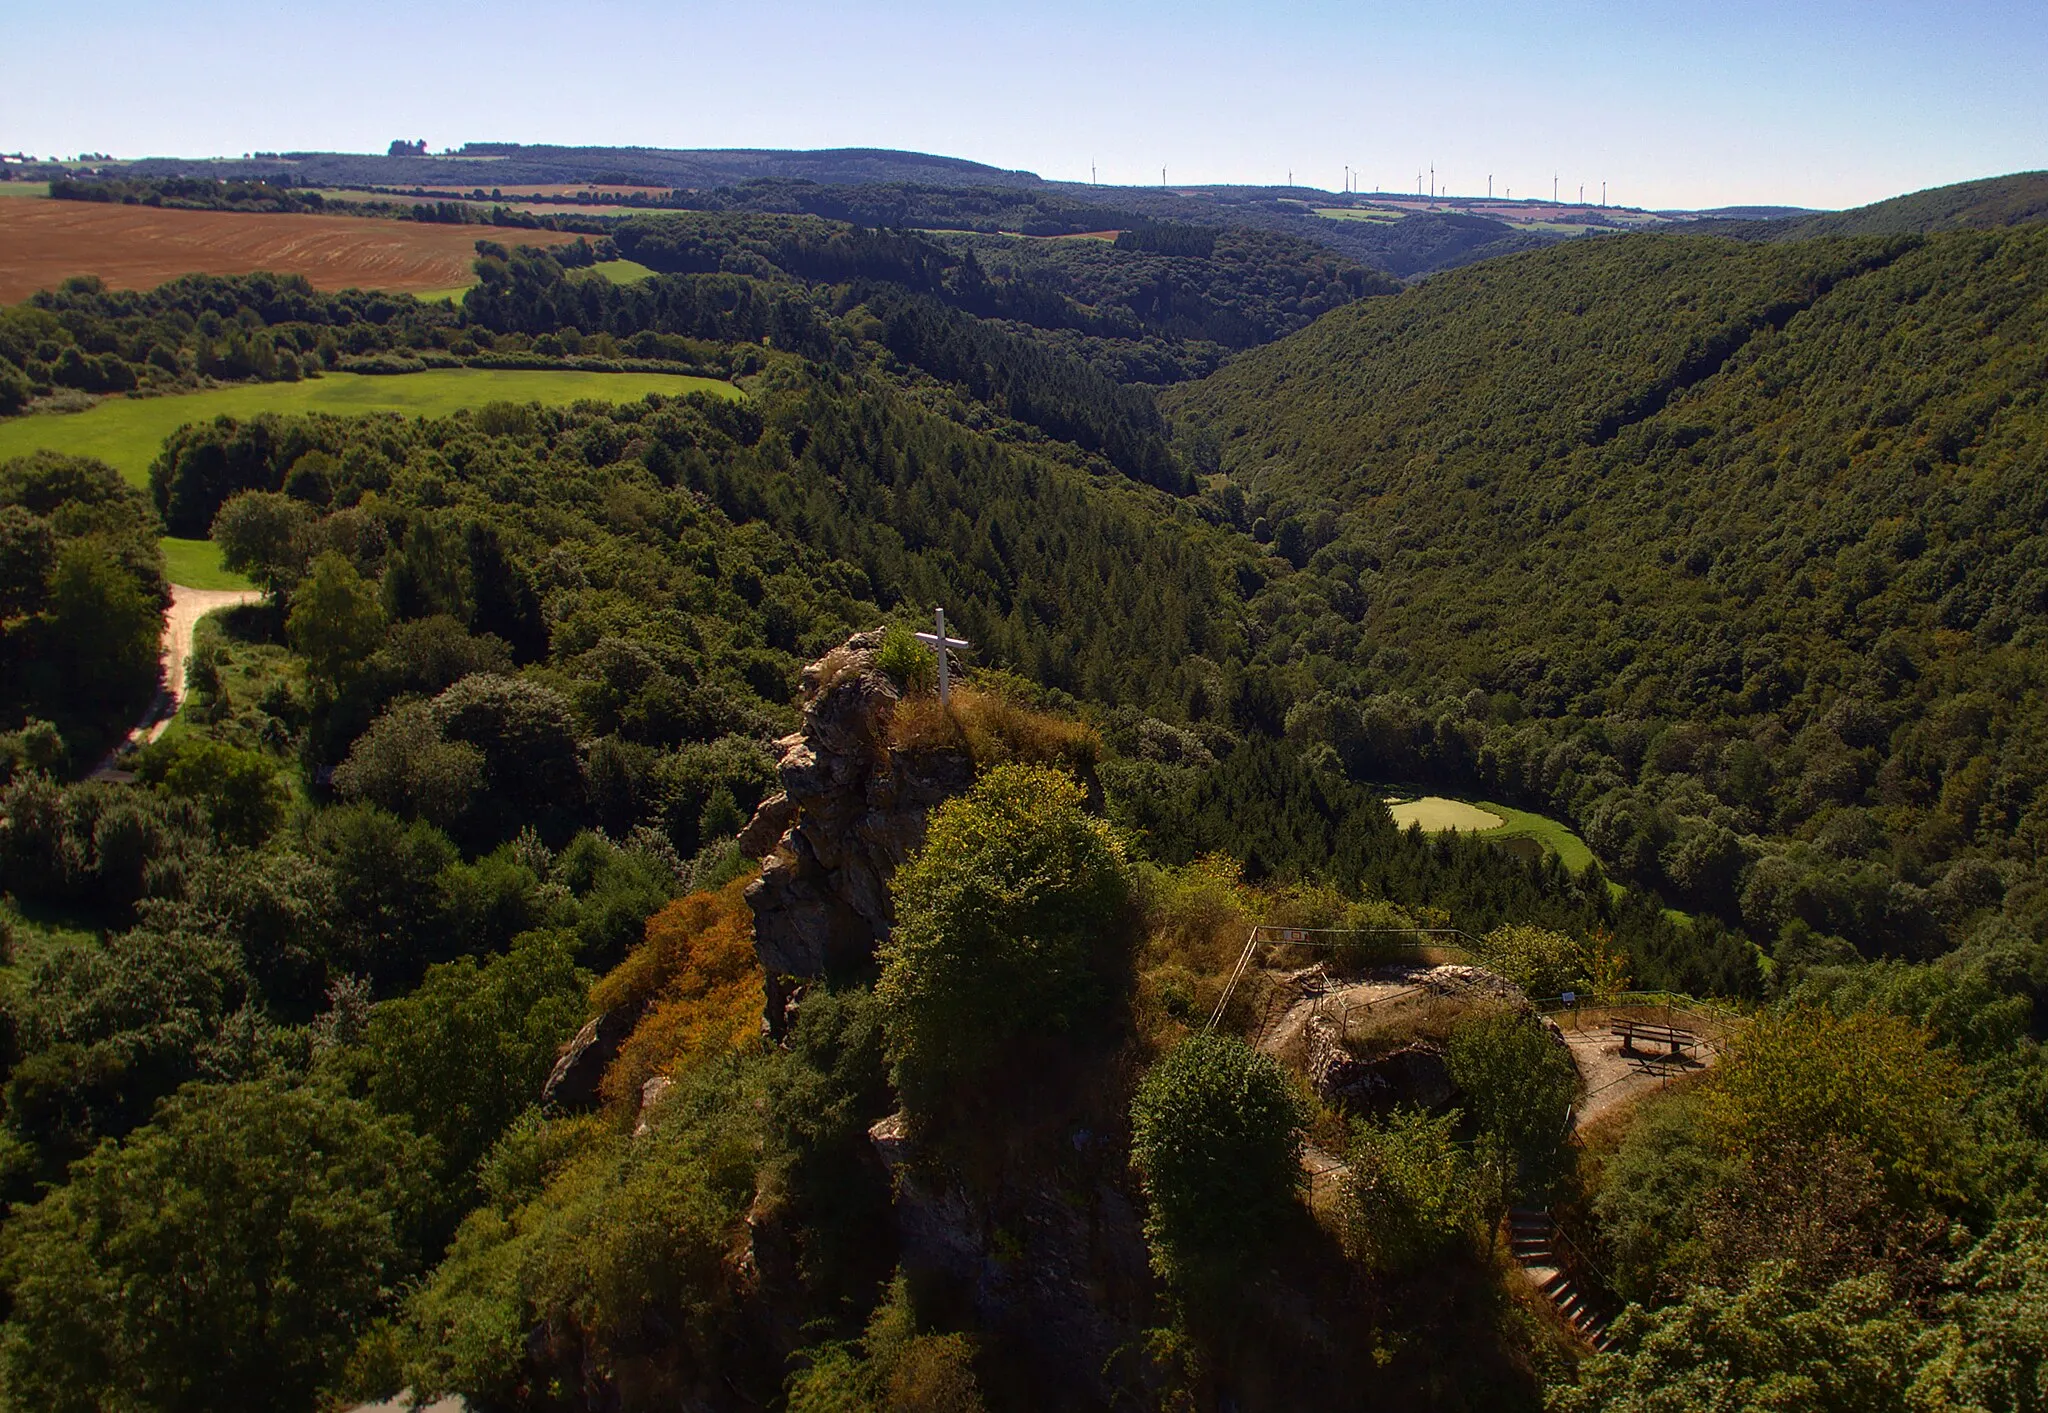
(1703, 103)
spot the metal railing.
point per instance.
(1339, 939)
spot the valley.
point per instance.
(1482, 840)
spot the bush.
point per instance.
(625, 1236)
(466, 1052)
(1216, 1134)
(1546, 963)
(1412, 1192)
(239, 790)
(912, 666)
(895, 1369)
(1799, 1079)
(1010, 921)
(1520, 1082)
(697, 978)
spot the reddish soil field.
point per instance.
(138, 247)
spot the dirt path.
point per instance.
(1614, 1076)
(181, 621)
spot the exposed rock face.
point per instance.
(651, 1093)
(1413, 1075)
(572, 1085)
(1054, 1261)
(850, 811)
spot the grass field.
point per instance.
(1353, 213)
(127, 432)
(139, 247)
(1436, 813)
(196, 564)
(619, 272)
(622, 272)
(24, 188)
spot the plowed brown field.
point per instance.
(138, 247)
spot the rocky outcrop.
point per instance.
(1053, 1261)
(851, 809)
(1415, 1075)
(572, 1085)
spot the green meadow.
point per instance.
(1437, 812)
(196, 564)
(127, 432)
(622, 272)
(618, 272)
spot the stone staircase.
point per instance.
(1532, 1234)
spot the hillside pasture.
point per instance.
(139, 247)
(127, 432)
(1436, 814)
(1518, 830)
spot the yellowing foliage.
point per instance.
(697, 974)
(1797, 1080)
(993, 730)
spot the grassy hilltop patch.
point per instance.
(126, 432)
(1495, 822)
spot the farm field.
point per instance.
(444, 192)
(1437, 813)
(1355, 213)
(139, 247)
(126, 432)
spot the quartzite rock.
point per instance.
(1053, 1260)
(851, 809)
(572, 1085)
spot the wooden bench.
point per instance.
(1630, 1031)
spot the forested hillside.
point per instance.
(1749, 534)
(1728, 553)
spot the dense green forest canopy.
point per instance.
(1748, 534)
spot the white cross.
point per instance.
(940, 642)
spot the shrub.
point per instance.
(627, 1235)
(1216, 1134)
(1412, 1192)
(994, 730)
(465, 1053)
(894, 1368)
(912, 666)
(696, 975)
(1545, 963)
(1520, 1083)
(1801, 1078)
(1010, 921)
(239, 790)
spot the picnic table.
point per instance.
(1630, 1031)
